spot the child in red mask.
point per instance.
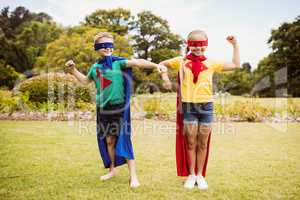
(195, 105)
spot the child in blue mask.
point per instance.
(113, 79)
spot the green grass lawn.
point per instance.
(60, 160)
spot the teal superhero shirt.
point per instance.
(109, 83)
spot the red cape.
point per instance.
(182, 159)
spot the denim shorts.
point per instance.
(198, 113)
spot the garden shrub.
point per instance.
(56, 88)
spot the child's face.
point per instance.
(198, 51)
(105, 51)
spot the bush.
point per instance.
(293, 108)
(8, 75)
(158, 107)
(85, 106)
(8, 104)
(248, 111)
(56, 88)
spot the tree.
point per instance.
(77, 44)
(32, 41)
(263, 79)
(12, 23)
(281, 67)
(23, 36)
(153, 40)
(238, 82)
(113, 20)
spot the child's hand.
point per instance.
(231, 39)
(69, 66)
(162, 69)
(167, 84)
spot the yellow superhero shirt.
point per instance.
(202, 90)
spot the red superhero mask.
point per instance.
(197, 43)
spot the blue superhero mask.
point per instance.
(104, 45)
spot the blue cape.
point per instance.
(123, 149)
(108, 60)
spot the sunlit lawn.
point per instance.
(60, 160)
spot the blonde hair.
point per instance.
(102, 35)
(191, 34)
(196, 32)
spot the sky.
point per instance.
(250, 21)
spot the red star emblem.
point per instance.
(103, 81)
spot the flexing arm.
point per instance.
(236, 63)
(70, 68)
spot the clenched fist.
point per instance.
(167, 84)
(231, 39)
(162, 69)
(69, 66)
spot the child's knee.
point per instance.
(110, 141)
(202, 146)
(192, 145)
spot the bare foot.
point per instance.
(134, 183)
(111, 174)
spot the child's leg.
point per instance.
(202, 139)
(111, 142)
(191, 130)
(132, 173)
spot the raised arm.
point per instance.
(70, 68)
(236, 63)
